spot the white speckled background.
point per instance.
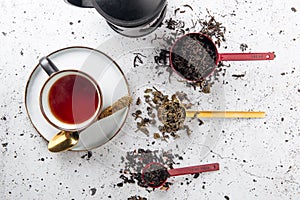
(259, 158)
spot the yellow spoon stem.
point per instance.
(224, 114)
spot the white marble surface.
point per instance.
(259, 158)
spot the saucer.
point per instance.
(109, 77)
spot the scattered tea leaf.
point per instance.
(138, 101)
(137, 198)
(237, 76)
(243, 47)
(188, 6)
(156, 135)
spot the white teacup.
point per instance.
(70, 100)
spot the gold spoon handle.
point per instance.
(225, 114)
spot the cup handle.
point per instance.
(48, 65)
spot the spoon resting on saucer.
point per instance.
(65, 140)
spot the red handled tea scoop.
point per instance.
(194, 56)
(155, 174)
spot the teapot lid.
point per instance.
(129, 13)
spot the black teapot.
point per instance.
(132, 18)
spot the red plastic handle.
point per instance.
(246, 56)
(194, 169)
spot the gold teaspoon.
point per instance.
(65, 140)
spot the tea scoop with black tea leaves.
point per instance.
(195, 56)
(155, 174)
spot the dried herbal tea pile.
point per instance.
(172, 115)
(168, 110)
(136, 160)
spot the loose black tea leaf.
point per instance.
(87, 156)
(182, 96)
(137, 198)
(4, 144)
(206, 88)
(188, 105)
(137, 115)
(237, 76)
(142, 127)
(138, 101)
(176, 10)
(188, 6)
(148, 90)
(188, 130)
(213, 29)
(200, 122)
(243, 47)
(196, 175)
(137, 59)
(175, 24)
(156, 135)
